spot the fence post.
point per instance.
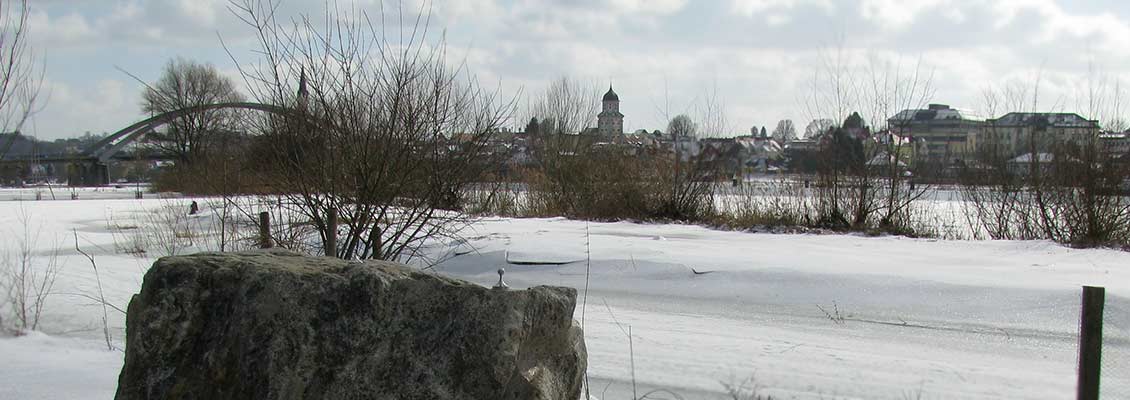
(331, 232)
(265, 230)
(1090, 342)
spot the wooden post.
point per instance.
(1090, 342)
(331, 232)
(265, 230)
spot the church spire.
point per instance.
(302, 92)
(611, 95)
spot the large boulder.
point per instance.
(277, 325)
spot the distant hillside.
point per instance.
(24, 146)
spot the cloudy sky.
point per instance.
(758, 57)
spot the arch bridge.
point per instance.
(91, 167)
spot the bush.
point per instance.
(25, 281)
(609, 184)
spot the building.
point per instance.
(610, 122)
(939, 132)
(1115, 144)
(1022, 132)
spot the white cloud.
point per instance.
(754, 7)
(105, 105)
(897, 14)
(777, 19)
(648, 6)
(761, 52)
(200, 12)
(64, 30)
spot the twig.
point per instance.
(588, 270)
(835, 316)
(101, 295)
(95, 299)
(664, 391)
(585, 300)
(632, 360)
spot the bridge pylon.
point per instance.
(88, 174)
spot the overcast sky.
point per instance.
(761, 55)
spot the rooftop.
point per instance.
(935, 112)
(611, 95)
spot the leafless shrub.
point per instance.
(744, 390)
(163, 231)
(126, 235)
(497, 198)
(780, 203)
(26, 280)
(290, 228)
(1069, 188)
(386, 132)
(605, 183)
(1085, 197)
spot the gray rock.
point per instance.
(277, 325)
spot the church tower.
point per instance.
(610, 122)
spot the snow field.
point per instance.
(806, 316)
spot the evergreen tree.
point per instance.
(532, 127)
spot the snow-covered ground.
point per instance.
(803, 316)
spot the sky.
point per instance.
(761, 60)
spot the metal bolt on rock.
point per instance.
(501, 285)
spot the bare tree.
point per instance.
(834, 87)
(20, 76)
(683, 131)
(817, 127)
(567, 106)
(184, 84)
(864, 177)
(997, 201)
(1086, 177)
(385, 130)
(890, 90)
(711, 111)
(682, 126)
(690, 194)
(785, 131)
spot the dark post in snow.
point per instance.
(265, 230)
(1090, 342)
(331, 232)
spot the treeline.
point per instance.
(1074, 192)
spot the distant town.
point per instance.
(935, 141)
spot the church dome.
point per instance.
(611, 95)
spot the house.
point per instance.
(940, 133)
(1042, 162)
(1024, 132)
(762, 154)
